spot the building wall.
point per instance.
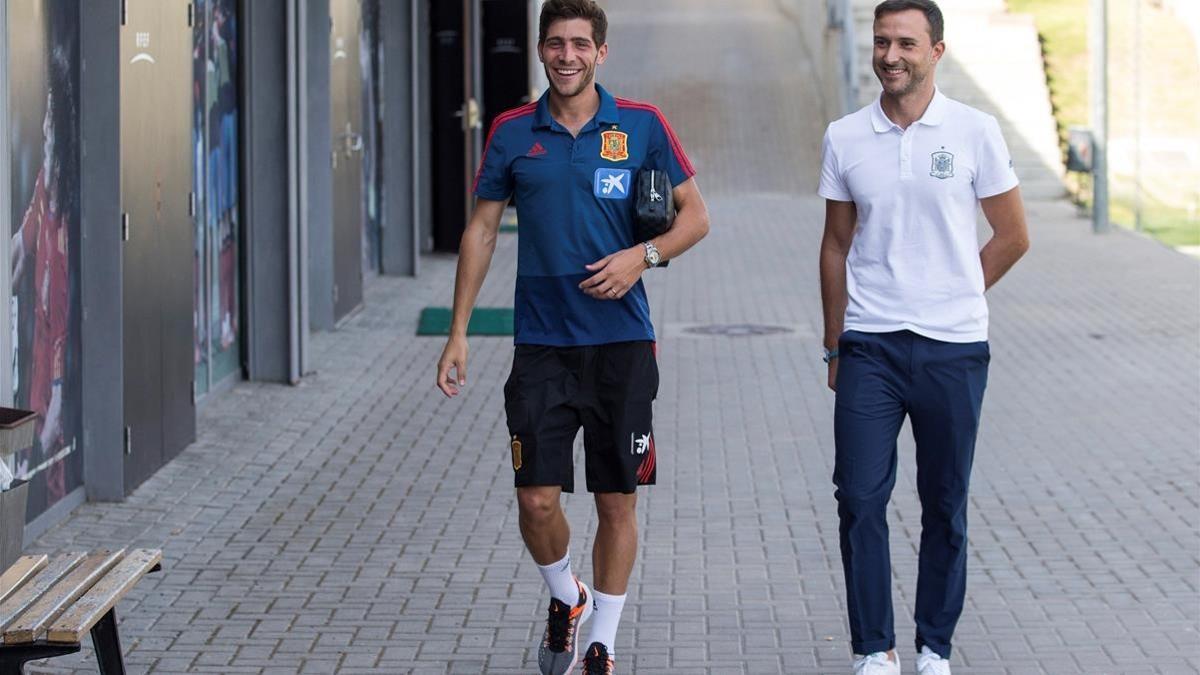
(266, 124)
(816, 22)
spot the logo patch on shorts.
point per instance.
(517, 459)
(640, 444)
(943, 165)
(614, 146)
(612, 183)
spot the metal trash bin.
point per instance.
(16, 433)
(12, 522)
(16, 429)
(1081, 149)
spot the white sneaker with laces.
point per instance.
(876, 664)
(929, 663)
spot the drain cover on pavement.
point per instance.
(738, 330)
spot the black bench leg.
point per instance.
(13, 657)
(107, 644)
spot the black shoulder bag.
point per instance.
(655, 208)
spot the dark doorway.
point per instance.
(505, 57)
(157, 260)
(346, 96)
(456, 115)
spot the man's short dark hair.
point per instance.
(556, 10)
(933, 14)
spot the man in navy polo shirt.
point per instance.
(584, 342)
(906, 322)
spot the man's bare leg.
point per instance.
(547, 536)
(543, 524)
(615, 547)
(613, 555)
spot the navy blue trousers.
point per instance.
(939, 385)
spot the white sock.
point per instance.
(605, 620)
(561, 581)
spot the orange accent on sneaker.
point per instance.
(598, 663)
(572, 622)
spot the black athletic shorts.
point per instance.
(606, 389)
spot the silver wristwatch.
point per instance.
(652, 255)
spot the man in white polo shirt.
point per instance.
(902, 283)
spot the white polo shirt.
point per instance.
(914, 262)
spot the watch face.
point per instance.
(652, 256)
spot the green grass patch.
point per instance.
(1063, 28)
(1171, 225)
(492, 321)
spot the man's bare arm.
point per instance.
(691, 221)
(620, 271)
(1010, 239)
(474, 259)
(840, 220)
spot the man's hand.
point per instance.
(454, 357)
(615, 274)
(474, 258)
(833, 374)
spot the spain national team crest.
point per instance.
(517, 458)
(943, 165)
(614, 146)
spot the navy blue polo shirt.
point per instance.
(575, 205)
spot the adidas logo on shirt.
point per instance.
(536, 151)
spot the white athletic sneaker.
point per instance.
(876, 664)
(929, 663)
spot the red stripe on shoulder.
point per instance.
(508, 116)
(514, 112)
(501, 119)
(676, 146)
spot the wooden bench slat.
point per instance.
(16, 604)
(21, 571)
(79, 619)
(56, 600)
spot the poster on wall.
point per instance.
(43, 36)
(216, 184)
(199, 183)
(370, 61)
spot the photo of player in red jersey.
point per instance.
(44, 256)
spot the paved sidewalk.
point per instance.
(360, 522)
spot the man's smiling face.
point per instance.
(905, 55)
(570, 56)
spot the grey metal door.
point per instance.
(346, 93)
(157, 265)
